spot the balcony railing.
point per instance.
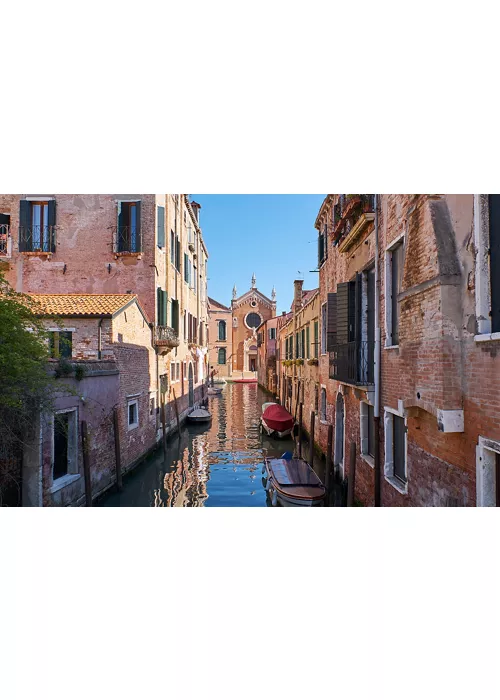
(347, 212)
(4, 238)
(128, 239)
(353, 363)
(37, 239)
(166, 337)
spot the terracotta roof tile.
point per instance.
(82, 304)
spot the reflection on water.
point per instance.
(218, 465)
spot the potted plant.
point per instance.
(313, 362)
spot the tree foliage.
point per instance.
(26, 388)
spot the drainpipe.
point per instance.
(99, 339)
(377, 358)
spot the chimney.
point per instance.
(196, 209)
(297, 297)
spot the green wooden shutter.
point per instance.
(138, 240)
(161, 227)
(308, 342)
(25, 238)
(316, 339)
(159, 301)
(331, 322)
(51, 220)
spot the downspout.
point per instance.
(377, 358)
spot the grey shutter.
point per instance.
(164, 308)
(494, 207)
(158, 305)
(51, 220)
(331, 322)
(161, 227)
(343, 313)
(25, 239)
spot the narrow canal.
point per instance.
(219, 465)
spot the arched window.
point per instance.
(222, 331)
(222, 356)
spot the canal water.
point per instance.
(215, 465)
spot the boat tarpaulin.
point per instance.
(277, 418)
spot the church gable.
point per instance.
(253, 295)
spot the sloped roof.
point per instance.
(308, 295)
(217, 304)
(97, 305)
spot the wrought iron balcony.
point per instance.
(37, 239)
(4, 238)
(166, 337)
(128, 239)
(353, 363)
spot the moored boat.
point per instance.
(245, 381)
(214, 390)
(276, 421)
(220, 381)
(292, 482)
(199, 415)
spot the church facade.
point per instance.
(240, 322)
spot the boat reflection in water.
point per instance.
(210, 465)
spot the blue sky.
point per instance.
(271, 235)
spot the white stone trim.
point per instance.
(40, 198)
(59, 484)
(132, 426)
(485, 472)
(388, 288)
(363, 433)
(388, 448)
(486, 337)
(482, 268)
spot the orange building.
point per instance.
(249, 311)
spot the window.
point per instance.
(395, 450)
(61, 344)
(253, 320)
(194, 279)
(323, 404)
(4, 234)
(178, 254)
(316, 398)
(393, 280)
(297, 345)
(316, 339)
(37, 226)
(151, 406)
(494, 249)
(222, 330)
(272, 334)
(160, 237)
(322, 245)
(323, 329)
(488, 473)
(222, 356)
(161, 303)
(129, 227)
(65, 444)
(175, 315)
(172, 247)
(302, 343)
(367, 431)
(308, 343)
(133, 414)
(187, 269)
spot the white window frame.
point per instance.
(131, 402)
(486, 452)
(324, 321)
(388, 288)
(363, 433)
(73, 467)
(389, 447)
(482, 269)
(323, 417)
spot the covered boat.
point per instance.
(292, 482)
(276, 421)
(199, 415)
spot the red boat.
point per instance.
(244, 381)
(276, 421)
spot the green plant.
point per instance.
(64, 368)
(80, 372)
(313, 362)
(299, 362)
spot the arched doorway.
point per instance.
(191, 385)
(339, 433)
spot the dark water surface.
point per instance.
(218, 465)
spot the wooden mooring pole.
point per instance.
(352, 475)
(164, 426)
(311, 439)
(329, 461)
(300, 432)
(118, 458)
(86, 465)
